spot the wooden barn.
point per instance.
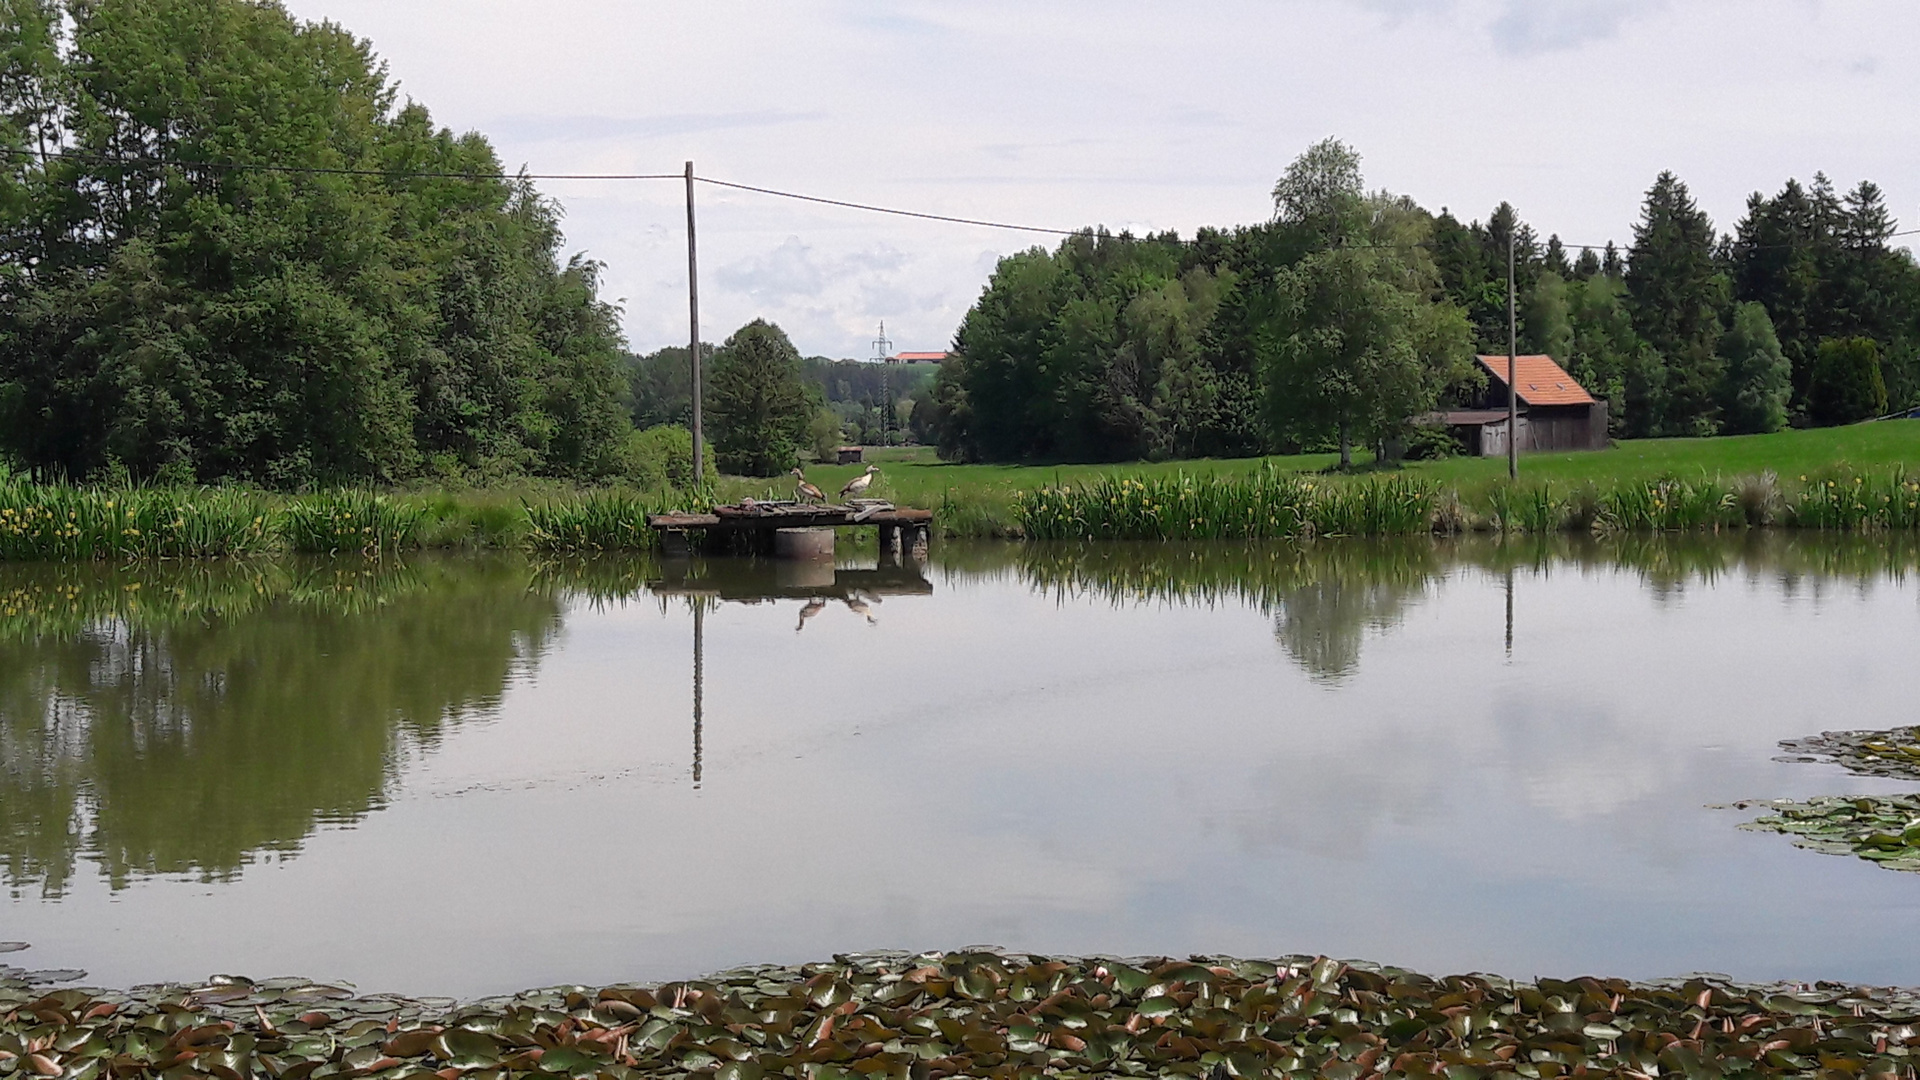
(1556, 413)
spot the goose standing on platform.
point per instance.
(858, 485)
(807, 492)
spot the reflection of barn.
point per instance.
(1556, 413)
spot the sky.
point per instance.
(1130, 114)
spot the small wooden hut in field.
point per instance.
(1556, 412)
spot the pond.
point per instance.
(468, 775)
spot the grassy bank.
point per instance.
(979, 1014)
(1861, 477)
(981, 500)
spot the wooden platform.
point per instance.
(748, 527)
(787, 517)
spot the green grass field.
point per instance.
(978, 498)
(1787, 454)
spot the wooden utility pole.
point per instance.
(1513, 356)
(693, 342)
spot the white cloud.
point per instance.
(1127, 112)
(1537, 26)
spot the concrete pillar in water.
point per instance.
(803, 544)
(917, 543)
(889, 541)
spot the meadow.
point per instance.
(1861, 477)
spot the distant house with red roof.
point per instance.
(1556, 412)
(917, 358)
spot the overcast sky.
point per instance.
(1131, 114)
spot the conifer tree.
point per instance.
(1678, 294)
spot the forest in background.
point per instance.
(1350, 313)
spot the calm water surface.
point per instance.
(463, 776)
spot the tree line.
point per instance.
(225, 253)
(1350, 313)
(823, 402)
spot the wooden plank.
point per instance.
(727, 517)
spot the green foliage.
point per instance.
(595, 521)
(283, 328)
(759, 404)
(1678, 294)
(1848, 501)
(1353, 351)
(1669, 504)
(662, 457)
(1881, 829)
(1822, 265)
(351, 522)
(1116, 347)
(1846, 386)
(1759, 378)
(66, 523)
(1265, 505)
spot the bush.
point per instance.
(1432, 443)
(1847, 385)
(662, 456)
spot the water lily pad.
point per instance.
(1893, 752)
(1884, 829)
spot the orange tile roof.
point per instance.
(921, 356)
(1541, 381)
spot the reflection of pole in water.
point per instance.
(699, 672)
(1509, 612)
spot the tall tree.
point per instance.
(179, 296)
(1356, 345)
(760, 401)
(1678, 294)
(1759, 378)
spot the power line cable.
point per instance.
(395, 174)
(890, 210)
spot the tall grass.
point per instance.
(78, 524)
(1849, 501)
(594, 521)
(351, 522)
(1268, 504)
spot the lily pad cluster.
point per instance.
(1882, 828)
(976, 1014)
(1893, 753)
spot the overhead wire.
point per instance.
(407, 174)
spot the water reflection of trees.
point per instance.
(181, 719)
(1325, 597)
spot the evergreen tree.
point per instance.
(1677, 293)
(1758, 379)
(1847, 385)
(1605, 350)
(761, 405)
